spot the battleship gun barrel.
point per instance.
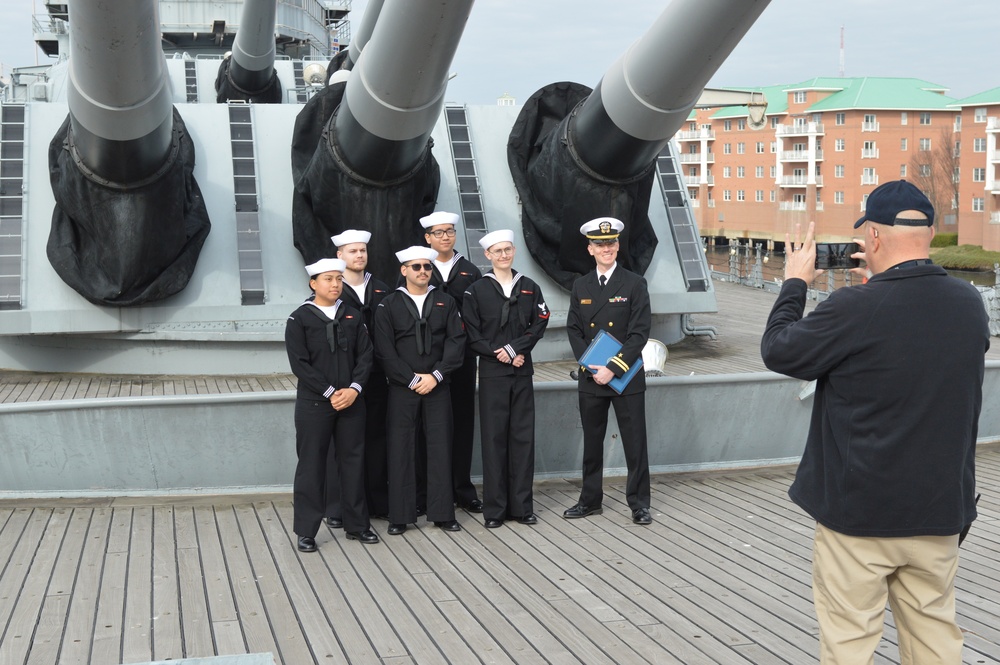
(365, 30)
(119, 93)
(648, 93)
(253, 49)
(396, 91)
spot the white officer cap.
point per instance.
(439, 217)
(416, 252)
(602, 228)
(326, 265)
(350, 236)
(490, 239)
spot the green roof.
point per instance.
(875, 93)
(980, 99)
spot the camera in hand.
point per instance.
(834, 255)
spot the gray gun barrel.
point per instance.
(364, 32)
(119, 93)
(396, 91)
(253, 49)
(648, 93)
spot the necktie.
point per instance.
(603, 280)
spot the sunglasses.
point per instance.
(421, 266)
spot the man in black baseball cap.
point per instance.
(897, 202)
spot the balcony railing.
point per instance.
(871, 153)
(695, 135)
(695, 203)
(695, 157)
(799, 181)
(995, 217)
(869, 180)
(696, 180)
(792, 205)
(711, 203)
(795, 156)
(869, 126)
(800, 130)
(993, 124)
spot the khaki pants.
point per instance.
(853, 577)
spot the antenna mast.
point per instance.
(841, 51)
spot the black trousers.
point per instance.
(376, 470)
(407, 412)
(630, 411)
(507, 429)
(319, 431)
(463, 407)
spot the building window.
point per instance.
(726, 196)
(727, 148)
(741, 171)
(980, 114)
(838, 171)
(979, 145)
(925, 118)
(903, 119)
(693, 126)
(774, 147)
(868, 176)
(902, 144)
(775, 122)
(760, 147)
(727, 171)
(693, 171)
(838, 197)
(727, 125)
(741, 124)
(925, 170)
(772, 196)
(759, 172)
(869, 151)
(839, 144)
(759, 196)
(741, 195)
(955, 176)
(958, 122)
(800, 97)
(902, 170)
(925, 144)
(978, 204)
(978, 175)
(741, 148)
(774, 171)
(958, 149)
(841, 118)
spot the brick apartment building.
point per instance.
(828, 143)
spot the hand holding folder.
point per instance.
(601, 350)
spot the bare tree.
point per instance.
(935, 173)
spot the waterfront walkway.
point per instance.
(722, 576)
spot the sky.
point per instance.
(518, 46)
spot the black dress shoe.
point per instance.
(474, 506)
(307, 544)
(493, 524)
(421, 511)
(580, 510)
(396, 529)
(528, 519)
(335, 522)
(449, 525)
(641, 516)
(366, 537)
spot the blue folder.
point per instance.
(600, 351)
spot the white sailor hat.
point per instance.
(326, 265)
(602, 228)
(416, 252)
(490, 239)
(351, 236)
(439, 217)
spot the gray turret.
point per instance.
(361, 153)
(129, 220)
(576, 154)
(248, 73)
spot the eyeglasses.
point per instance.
(503, 251)
(427, 267)
(440, 233)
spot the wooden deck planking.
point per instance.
(722, 576)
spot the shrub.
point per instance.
(965, 257)
(945, 240)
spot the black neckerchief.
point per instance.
(509, 301)
(336, 336)
(423, 329)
